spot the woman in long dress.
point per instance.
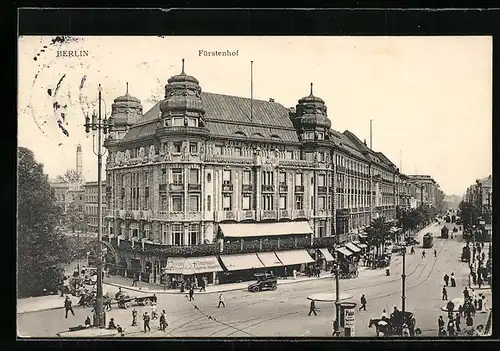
(485, 304)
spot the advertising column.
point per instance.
(348, 318)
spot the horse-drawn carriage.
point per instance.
(396, 325)
(348, 269)
(465, 254)
(382, 261)
(444, 232)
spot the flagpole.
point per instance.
(251, 90)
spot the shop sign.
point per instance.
(349, 320)
(205, 264)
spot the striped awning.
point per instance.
(360, 245)
(352, 247)
(241, 262)
(344, 251)
(326, 254)
(292, 257)
(269, 259)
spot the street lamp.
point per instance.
(403, 283)
(336, 325)
(100, 126)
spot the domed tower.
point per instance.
(311, 119)
(182, 105)
(125, 111)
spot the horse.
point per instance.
(378, 328)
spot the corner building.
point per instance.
(178, 174)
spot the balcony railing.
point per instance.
(268, 214)
(194, 187)
(299, 188)
(298, 214)
(246, 215)
(267, 188)
(321, 213)
(283, 188)
(229, 159)
(176, 187)
(284, 214)
(227, 187)
(247, 188)
(322, 189)
(225, 216)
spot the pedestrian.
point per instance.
(202, 285)
(450, 306)
(446, 279)
(440, 323)
(120, 330)
(469, 322)
(312, 308)
(154, 314)
(363, 303)
(68, 306)
(451, 327)
(294, 274)
(163, 321)
(191, 293)
(412, 251)
(286, 275)
(457, 322)
(87, 321)
(423, 254)
(221, 301)
(466, 294)
(461, 310)
(146, 319)
(445, 293)
(111, 324)
(435, 253)
(452, 279)
(134, 317)
(484, 303)
(134, 279)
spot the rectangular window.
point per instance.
(192, 122)
(299, 202)
(209, 203)
(194, 203)
(289, 155)
(321, 156)
(237, 151)
(309, 135)
(298, 179)
(194, 234)
(247, 199)
(163, 203)
(177, 234)
(268, 202)
(177, 147)
(322, 229)
(321, 180)
(282, 178)
(177, 122)
(193, 176)
(226, 176)
(193, 147)
(321, 203)
(282, 202)
(267, 178)
(217, 150)
(321, 135)
(226, 202)
(177, 204)
(247, 177)
(177, 176)
(309, 156)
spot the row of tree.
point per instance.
(42, 250)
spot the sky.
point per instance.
(430, 98)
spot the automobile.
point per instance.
(265, 281)
(412, 242)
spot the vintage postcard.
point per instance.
(178, 187)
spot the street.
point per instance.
(284, 312)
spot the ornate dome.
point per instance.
(311, 112)
(126, 110)
(182, 96)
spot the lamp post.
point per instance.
(336, 331)
(99, 126)
(403, 283)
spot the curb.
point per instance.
(177, 292)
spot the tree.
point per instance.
(75, 218)
(378, 232)
(42, 249)
(468, 213)
(71, 176)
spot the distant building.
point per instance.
(68, 195)
(480, 195)
(91, 206)
(423, 189)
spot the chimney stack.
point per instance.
(79, 159)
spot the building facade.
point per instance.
(91, 206)
(480, 195)
(423, 189)
(197, 160)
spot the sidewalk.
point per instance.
(126, 283)
(43, 303)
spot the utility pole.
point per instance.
(403, 283)
(337, 295)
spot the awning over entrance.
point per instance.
(294, 257)
(269, 259)
(242, 230)
(326, 254)
(360, 245)
(175, 265)
(352, 247)
(344, 251)
(240, 262)
(205, 264)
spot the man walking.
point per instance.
(134, 280)
(163, 321)
(363, 303)
(435, 253)
(423, 254)
(466, 294)
(134, 317)
(457, 322)
(446, 279)
(68, 306)
(202, 284)
(452, 279)
(221, 301)
(412, 251)
(191, 293)
(445, 293)
(450, 306)
(312, 308)
(146, 319)
(440, 323)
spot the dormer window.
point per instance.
(177, 122)
(309, 135)
(192, 122)
(321, 135)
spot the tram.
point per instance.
(428, 241)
